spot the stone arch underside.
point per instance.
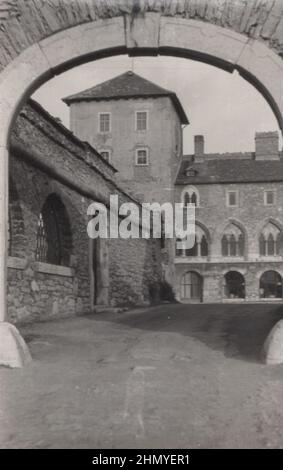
(42, 38)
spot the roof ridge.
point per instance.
(127, 73)
(126, 86)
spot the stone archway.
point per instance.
(39, 40)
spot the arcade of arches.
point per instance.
(234, 286)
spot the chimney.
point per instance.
(199, 148)
(266, 146)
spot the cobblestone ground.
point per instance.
(184, 376)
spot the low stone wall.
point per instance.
(36, 292)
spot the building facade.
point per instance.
(54, 269)
(239, 220)
(137, 126)
(238, 197)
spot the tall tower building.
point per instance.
(137, 126)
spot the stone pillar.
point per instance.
(3, 231)
(212, 287)
(13, 350)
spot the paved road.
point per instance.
(169, 376)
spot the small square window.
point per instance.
(269, 198)
(141, 120)
(104, 122)
(106, 155)
(232, 198)
(142, 157)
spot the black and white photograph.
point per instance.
(141, 227)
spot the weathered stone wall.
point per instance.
(161, 139)
(46, 159)
(54, 147)
(135, 271)
(33, 292)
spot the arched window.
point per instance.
(194, 199)
(190, 196)
(187, 199)
(233, 245)
(233, 241)
(234, 285)
(270, 285)
(261, 245)
(270, 240)
(191, 286)
(271, 245)
(54, 240)
(200, 247)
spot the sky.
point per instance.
(223, 107)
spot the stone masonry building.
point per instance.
(54, 269)
(238, 196)
(239, 202)
(137, 126)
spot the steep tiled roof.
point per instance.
(127, 85)
(230, 170)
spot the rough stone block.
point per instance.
(13, 349)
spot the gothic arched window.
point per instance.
(271, 245)
(233, 241)
(204, 246)
(190, 196)
(261, 244)
(194, 199)
(54, 240)
(270, 240)
(187, 199)
(200, 247)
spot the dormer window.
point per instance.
(190, 171)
